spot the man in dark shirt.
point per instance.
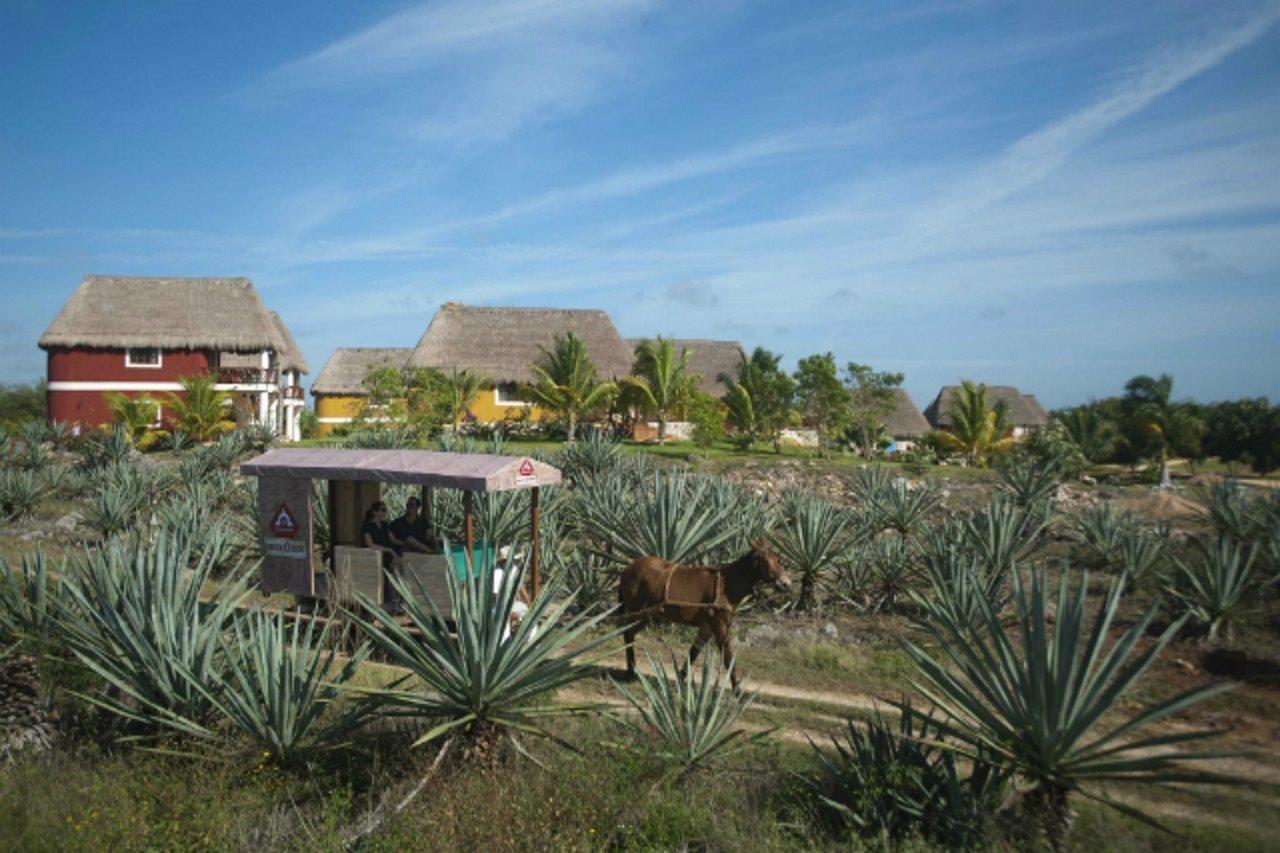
(413, 530)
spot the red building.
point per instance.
(138, 336)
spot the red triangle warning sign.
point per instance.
(525, 469)
(283, 524)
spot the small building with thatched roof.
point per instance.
(339, 388)
(707, 358)
(905, 425)
(139, 336)
(1025, 412)
(504, 343)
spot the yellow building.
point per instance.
(502, 344)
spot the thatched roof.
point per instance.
(707, 358)
(171, 313)
(287, 350)
(345, 370)
(1022, 412)
(905, 421)
(504, 343)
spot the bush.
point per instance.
(889, 782)
(1216, 584)
(20, 492)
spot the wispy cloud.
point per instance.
(478, 70)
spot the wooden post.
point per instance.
(468, 527)
(535, 561)
(333, 529)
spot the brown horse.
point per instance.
(656, 590)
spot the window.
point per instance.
(142, 357)
(508, 394)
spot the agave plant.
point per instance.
(903, 508)
(151, 627)
(1030, 483)
(482, 680)
(592, 456)
(871, 483)
(1136, 553)
(1002, 534)
(103, 448)
(20, 492)
(892, 782)
(1032, 699)
(1216, 584)
(178, 440)
(280, 683)
(893, 567)
(691, 722)
(114, 509)
(1232, 512)
(28, 607)
(675, 516)
(811, 542)
(961, 591)
(1101, 529)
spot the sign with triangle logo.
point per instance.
(526, 468)
(283, 524)
(525, 473)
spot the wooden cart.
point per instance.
(290, 561)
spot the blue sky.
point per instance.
(1052, 195)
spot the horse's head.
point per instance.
(765, 565)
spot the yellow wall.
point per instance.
(484, 407)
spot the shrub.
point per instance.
(904, 508)
(28, 607)
(1101, 529)
(1232, 512)
(1031, 698)
(1030, 482)
(886, 781)
(1002, 534)
(961, 590)
(691, 722)
(20, 492)
(1216, 584)
(476, 679)
(811, 541)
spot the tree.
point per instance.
(201, 410)
(460, 388)
(662, 382)
(1156, 425)
(385, 396)
(761, 397)
(22, 403)
(976, 430)
(566, 382)
(872, 399)
(707, 414)
(1244, 431)
(1091, 429)
(824, 401)
(136, 414)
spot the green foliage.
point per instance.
(903, 507)
(567, 384)
(977, 430)
(1052, 447)
(1002, 534)
(308, 423)
(28, 603)
(708, 416)
(279, 684)
(872, 399)
(1155, 426)
(822, 398)
(20, 403)
(1244, 431)
(135, 415)
(475, 678)
(460, 388)
(1031, 483)
(760, 398)
(892, 569)
(961, 590)
(1101, 529)
(21, 491)
(1215, 584)
(662, 382)
(1093, 431)
(687, 720)
(813, 536)
(891, 782)
(1233, 511)
(105, 447)
(138, 622)
(593, 456)
(1032, 698)
(201, 411)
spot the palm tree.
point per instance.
(1156, 420)
(567, 383)
(461, 387)
(201, 410)
(662, 381)
(977, 430)
(137, 415)
(1093, 433)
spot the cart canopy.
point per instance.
(472, 472)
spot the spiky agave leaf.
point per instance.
(1216, 583)
(477, 676)
(143, 624)
(1002, 534)
(28, 608)
(695, 718)
(280, 685)
(812, 541)
(1033, 698)
(960, 590)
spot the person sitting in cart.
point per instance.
(413, 531)
(377, 534)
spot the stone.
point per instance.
(67, 523)
(830, 630)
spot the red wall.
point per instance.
(89, 408)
